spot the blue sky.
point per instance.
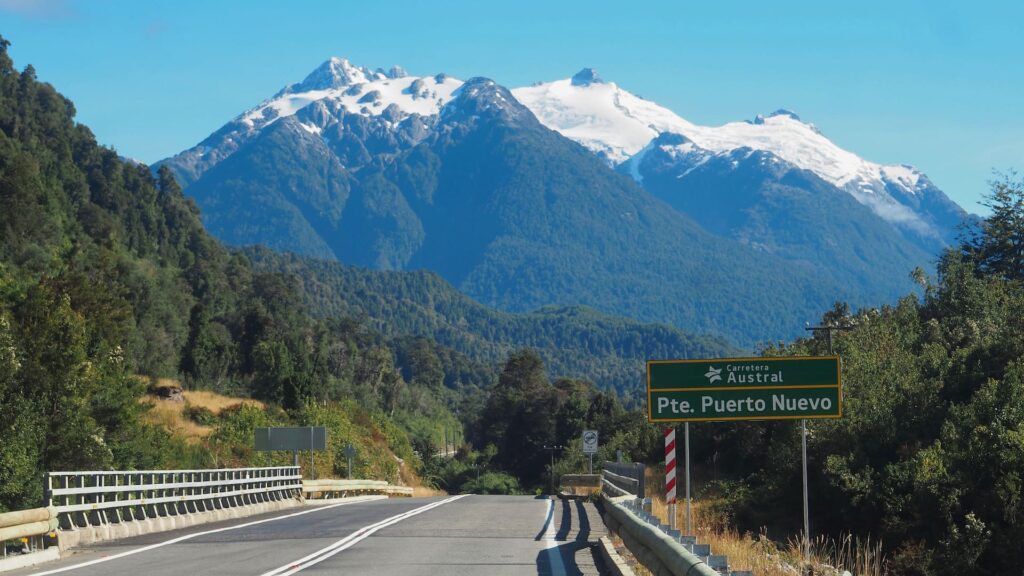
(935, 84)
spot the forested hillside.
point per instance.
(109, 283)
(107, 279)
(572, 341)
(929, 453)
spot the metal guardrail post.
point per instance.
(641, 480)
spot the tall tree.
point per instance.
(998, 247)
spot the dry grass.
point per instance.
(409, 477)
(418, 491)
(216, 402)
(171, 415)
(760, 554)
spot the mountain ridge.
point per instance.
(619, 125)
(466, 183)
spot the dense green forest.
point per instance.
(526, 414)
(109, 281)
(106, 275)
(572, 341)
(929, 453)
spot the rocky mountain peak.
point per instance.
(483, 97)
(586, 77)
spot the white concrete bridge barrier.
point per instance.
(91, 506)
(331, 488)
(103, 505)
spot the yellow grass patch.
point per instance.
(216, 402)
(171, 416)
(758, 553)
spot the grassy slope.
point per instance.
(218, 424)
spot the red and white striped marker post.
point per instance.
(670, 474)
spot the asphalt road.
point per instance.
(471, 535)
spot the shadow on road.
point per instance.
(562, 559)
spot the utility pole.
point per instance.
(552, 469)
(803, 429)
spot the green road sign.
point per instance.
(291, 438)
(744, 389)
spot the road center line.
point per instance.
(198, 534)
(551, 545)
(353, 539)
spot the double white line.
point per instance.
(352, 539)
(134, 551)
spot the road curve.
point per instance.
(463, 535)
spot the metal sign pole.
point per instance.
(552, 471)
(803, 432)
(807, 523)
(686, 442)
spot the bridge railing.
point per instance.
(623, 478)
(96, 498)
(331, 488)
(30, 525)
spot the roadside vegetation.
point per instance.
(926, 466)
(106, 274)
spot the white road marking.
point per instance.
(196, 535)
(551, 545)
(352, 539)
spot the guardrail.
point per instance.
(96, 498)
(655, 549)
(30, 524)
(623, 478)
(89, 506)
(329, 488)
(572, 485)
(661, 549)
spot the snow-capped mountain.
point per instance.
(337, 84)
(491, 189)
(385, 103)
(621, 127)
(397, 110)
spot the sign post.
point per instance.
(807, 523)
(350, 451)
(552, 474)
(727, 389)
(670, 475)
(686, 451)
(590, 446)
